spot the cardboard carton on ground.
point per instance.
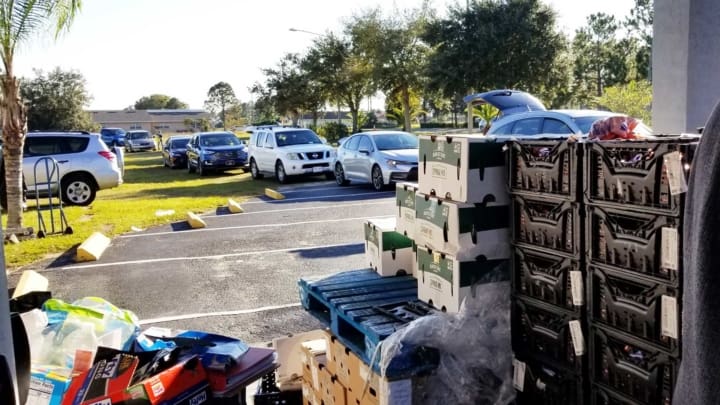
(290, 357)
(387, 252)
(341, 359)
(310, 397)
(405, 202)
(314, 357)
(463, 168)
(332, 392)
(465, 231)
(367, 387)
(444, 281)
(48, 385)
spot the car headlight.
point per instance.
(392, 163)
(177, 155)
(209, 153)
(333, 153)
(293, 156)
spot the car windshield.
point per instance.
(140, 135)
(395, 141)
(220, 140)
(288, 138)
(584, 123)
(179, 143)
(115, 131)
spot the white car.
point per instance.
(284, 152)
(85, 165)
(138, 141)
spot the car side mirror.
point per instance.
(364, 151)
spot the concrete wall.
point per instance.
(686, 64)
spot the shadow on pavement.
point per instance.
(66, 258)
(334, 251)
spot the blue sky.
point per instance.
(127, 49)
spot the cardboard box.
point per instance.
(48, 385)
(332, 391)
(465, 231)
(290, 358)
(444, 281)
(463, 168)
(314, 356)
(388, 252)
(310, 397)
(341, 358)
(405, 202)
(367, 387)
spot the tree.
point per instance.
(640, 22)
(201, 124)
(338, 70)
(19, 22)
(494, 45)
(220, 96)
(159, 102)
(287, 86)
(393, 45)
(237, 115)
(56, 101)
(633, 99)
(394, 107)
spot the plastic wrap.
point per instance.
(475, 351)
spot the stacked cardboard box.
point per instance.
(461, 224)
(334, 375)
(387, 251)
(634, 201)
(548, 271)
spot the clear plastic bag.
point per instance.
(475, 350)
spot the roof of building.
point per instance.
(137, 116)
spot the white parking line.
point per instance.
(317, 197)
(305, 190)
(212, 257)
(225, 228)
(213, 314)
(316, 207)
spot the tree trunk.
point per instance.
(14, 127)
(315, 118)
(295, 118)
(406, 108)
(354, 113)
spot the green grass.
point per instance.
(148, 187)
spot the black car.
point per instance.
(215, 151)
(174, 152)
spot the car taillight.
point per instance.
(107, 155)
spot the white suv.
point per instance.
(284, 152)
(85, 165)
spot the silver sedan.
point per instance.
(379, 158)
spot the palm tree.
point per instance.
(20, 20)
(487, 113)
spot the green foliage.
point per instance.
(159, 102)
(640, 23)
(57, 101)
(430, 125)
(289, 89)
(197, 125)
(333, 131)
(633, 99)
(220, 96)
(394, 107)
(486, 113)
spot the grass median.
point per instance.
(149, 189)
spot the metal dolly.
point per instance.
(51, 170)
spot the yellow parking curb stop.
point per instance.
(195, 221)
(92, 248)
(234, 207)
(275, 195)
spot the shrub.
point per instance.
(333, 131)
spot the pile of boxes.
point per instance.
(548, 294)
(334, 375)
(634, 202)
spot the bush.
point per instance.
(333, 131)
(428, 125)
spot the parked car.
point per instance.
(174, 152)
(379, 158)
(85, 165)
(215, 151)
(113, 136)
(138, 140)
(523, 115)
(285, 152)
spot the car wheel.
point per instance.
(377, 178)
(280, 174)
(200, 170)
(254, 171)
(78, 189)
(190, 167)
(340, 175)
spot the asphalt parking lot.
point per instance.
(239, 275)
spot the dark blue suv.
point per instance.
(215, 151)
(113, 136)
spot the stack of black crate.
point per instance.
(548, 298)
(634, 201)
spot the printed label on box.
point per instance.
(576, 288)
(669, 324)
(669, 248)
(675, 173)
(577, 337)
(518, 375)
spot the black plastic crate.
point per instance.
(543, 332)
(604, 396)
(633, 304)
(631, 367)
(546, 277)
(544, 384)
(547, 223)
(268, 393)
(546, 167)
(634, 242)
(635, 173)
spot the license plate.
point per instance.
(318, 169)
(229, 163)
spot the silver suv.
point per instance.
(85, 165)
